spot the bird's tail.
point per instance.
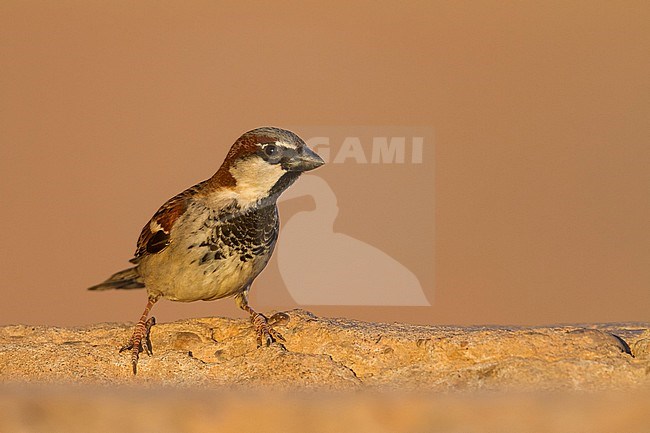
(126, 279)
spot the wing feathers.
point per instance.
(155, 234)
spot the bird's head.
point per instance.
(264, 162)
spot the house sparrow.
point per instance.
(211, 240)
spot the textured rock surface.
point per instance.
(208, 375)
(335, 354)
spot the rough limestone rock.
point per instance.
(335, 354)
(332, 375)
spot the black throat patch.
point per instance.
(246, 234)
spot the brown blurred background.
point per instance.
(542, 142)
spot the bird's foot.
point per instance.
(140, 341)
(264, 328)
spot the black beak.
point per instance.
(306, 160)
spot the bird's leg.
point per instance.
(140, 339)
(265, 332)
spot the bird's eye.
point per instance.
(271, 149)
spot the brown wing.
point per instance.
(155, 234)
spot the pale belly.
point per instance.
(186, 280)
(203, 262)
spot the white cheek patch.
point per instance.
(255, 177)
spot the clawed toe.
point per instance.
(276, 335)
(140, 341)
(267, 336)
(265, 332)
